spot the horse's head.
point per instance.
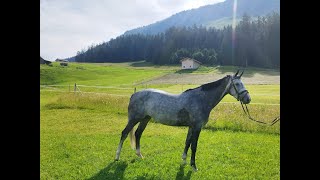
(238, 90)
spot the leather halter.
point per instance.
(239, 94)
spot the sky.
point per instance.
(68, 26)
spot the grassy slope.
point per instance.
(224, 22)
(91, 74)
(79, 135)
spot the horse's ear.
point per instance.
(236, 73)
(241, 74)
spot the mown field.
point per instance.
(79, 132)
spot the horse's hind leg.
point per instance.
(139, 132)
(127, 129)
(188, 142)
(194, 142)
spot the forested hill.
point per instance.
(255, 43)
(215, 15)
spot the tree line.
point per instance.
(253, 42)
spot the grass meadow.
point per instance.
(80, 132)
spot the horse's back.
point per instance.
(155, 103)
(152, 96)
(156, 91)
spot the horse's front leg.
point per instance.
(194, 142)
(186, 148)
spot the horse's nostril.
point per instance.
(246, 100)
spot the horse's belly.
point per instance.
(167, 110)
(169, 116)
(171, 121)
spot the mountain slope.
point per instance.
(211, 15)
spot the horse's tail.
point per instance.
(132, 139)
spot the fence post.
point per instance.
(79, 89)
(75, 87)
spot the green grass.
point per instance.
(98, 75)
(222, 22)
(79, 133)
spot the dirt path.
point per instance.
(176, 78)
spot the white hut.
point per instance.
(189, 63)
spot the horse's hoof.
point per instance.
(194, 168)
(140, 155)
(117, 158)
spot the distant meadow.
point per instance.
(80, 126)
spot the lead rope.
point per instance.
(249, 116)
(247, 112)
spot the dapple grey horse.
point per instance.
(190, 108)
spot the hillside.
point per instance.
(215, 15)
(257, 44)
(141, 73)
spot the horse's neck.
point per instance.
(216, 94)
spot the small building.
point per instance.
(43, 61)
(189, 63)
(63, 62)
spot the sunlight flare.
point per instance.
(234, 27)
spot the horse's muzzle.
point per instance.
(246, 99)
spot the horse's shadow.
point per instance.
(180, 173)
(114, 170)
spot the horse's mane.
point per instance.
(211, 85)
